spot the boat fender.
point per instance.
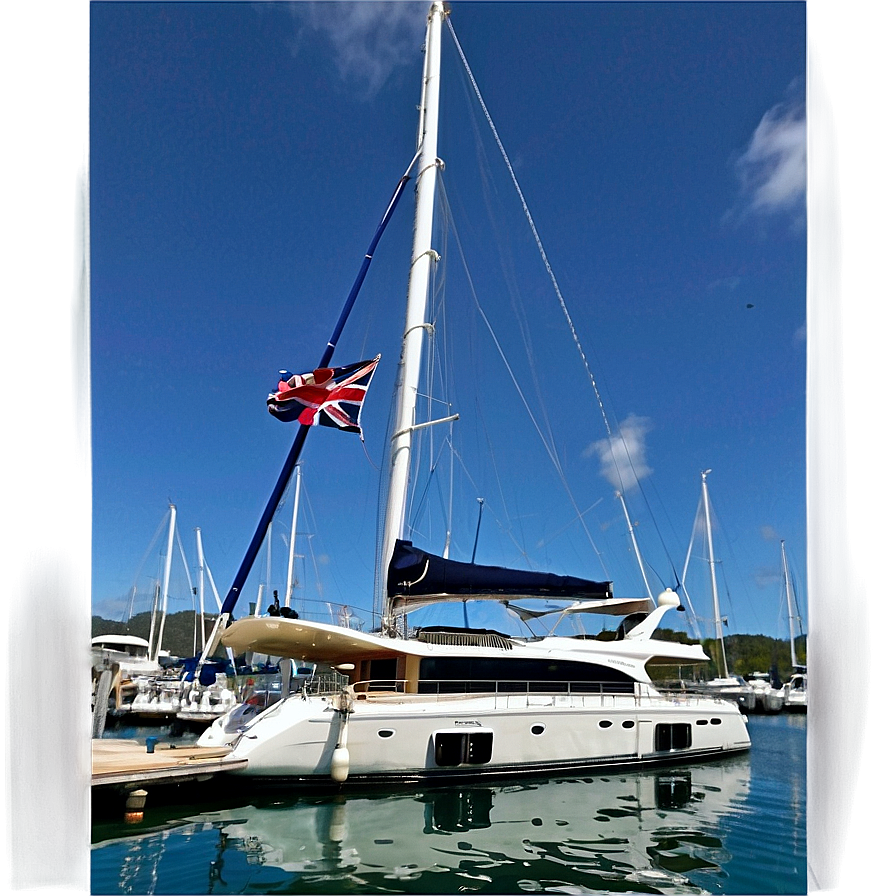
(339, 764)
(340, 761)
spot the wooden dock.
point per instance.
(127, 764)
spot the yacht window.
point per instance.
(628, 723)
(716, 721)
(702, 721)
(382, 674)
(672, 737)
(453, 675)
(386, 732)
(463, 747)
(604, 723)
(538, 729)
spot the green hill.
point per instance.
(181, 637)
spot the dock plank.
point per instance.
(120, 761)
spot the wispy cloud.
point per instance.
(769, 533)
(728, 284)
(370, 39)
(772, 169)
(623, 457)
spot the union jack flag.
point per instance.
(328, 396)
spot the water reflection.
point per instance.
(638, 832)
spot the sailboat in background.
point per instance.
(731, 687)
(444, 702)
(123, 664)
(795, 691)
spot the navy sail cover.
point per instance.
(416, 576)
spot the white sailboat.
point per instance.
(123, 665)
(455, 703)
(795, 692)
(731, 687)
(769, 699)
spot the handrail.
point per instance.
(524, 686)
(379, 684)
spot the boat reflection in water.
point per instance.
(651, 831)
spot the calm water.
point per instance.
(735, 826)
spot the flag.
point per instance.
(328, 396)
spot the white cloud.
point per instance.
(371, 39)
(623, 456)
(772, 169)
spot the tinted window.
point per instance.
(463, 747)
(672, 737)
(464, 675)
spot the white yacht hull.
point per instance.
(416, 737)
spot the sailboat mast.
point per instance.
(712, 574)
(423, 258)
(165, 581)
(788, 589)
(201, 557)
(292, 535)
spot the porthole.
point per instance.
(604, 723)
(628, 723)
(537, 729)
(386, 732)
(716, 721)
(702, 721)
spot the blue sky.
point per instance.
(241, 155)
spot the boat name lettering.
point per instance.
(474, 723)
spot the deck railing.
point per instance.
(509, 693)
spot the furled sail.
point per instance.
(416, 579)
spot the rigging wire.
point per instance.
(534, 230)
(611, 440)
(130, 609)
(549, 447)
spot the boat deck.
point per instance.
(127, 762)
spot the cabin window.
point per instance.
(605, 723)
(463, 747)
(628, 723)
(702, 721)
(382, 674)
(462, 675)
(672, 737)
(537, 729)
(385, 732)
(716, 721)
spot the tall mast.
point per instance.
(712, 573)
(292, 535)
(788, 588)
(423, 258)
(201, 556)
(166, 580)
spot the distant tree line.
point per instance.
(745, 654)
(182, 630)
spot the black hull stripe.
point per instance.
(496, 773)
